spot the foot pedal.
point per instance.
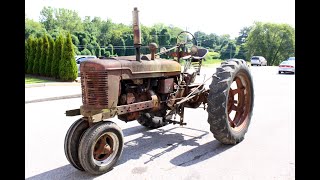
(176, 122)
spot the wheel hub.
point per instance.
(103, 148)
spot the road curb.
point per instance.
(53, 98)
(52, 84)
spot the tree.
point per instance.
(36, 65)
(33, 28)
(68, 20)
(67, 68)
(110, 49)
(50, 57)
(26, 54)
(229, 51)
(107, 54)
(44, 55)
(85, 52)
(75, 40)
(164, 38)
(243, 34)
(129, 42)
(31, 54)
(98, 51)
(275, 42)
(47, 18)
(242, 52)
(57, 55)
(103, 52)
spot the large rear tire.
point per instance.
(230, 102)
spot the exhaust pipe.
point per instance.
(136, 32)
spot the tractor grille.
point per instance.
(94, 87)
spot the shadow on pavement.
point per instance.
(64, 172)
(200, 153)
(134, 130)
(158, 139)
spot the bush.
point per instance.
(85, 52)
(98, 52)
(57, 54)
(49, 57)
(108, 54)
(26, 54)
(68, 70)
(36, 65)
(32, 43)
(103, 52)
(44, 55)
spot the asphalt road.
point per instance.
(174, 152)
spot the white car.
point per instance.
(287, 66)
(80, 59)
(258, 61)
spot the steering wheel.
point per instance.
(186, 38)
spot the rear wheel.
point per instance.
(100, 147)
(230, 102)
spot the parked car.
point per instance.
(80, 59)
(291, 59)
(258, 61)
(287, 66)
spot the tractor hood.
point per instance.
(132, 69)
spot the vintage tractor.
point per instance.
(153, 91)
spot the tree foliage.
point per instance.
(33, 28)
(96, 36)
(36, 65)
(49, 57)
(57, 55)
(44, 55)
(26, 54)
(276, 42)
(32, 45)
(67, 67)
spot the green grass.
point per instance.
(211, 62)
(33, 79)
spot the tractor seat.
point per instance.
(200, 54)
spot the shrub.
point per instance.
(44, 55)
(57, 54)
(67, 68)
(36, 65)
(26, 54)
(32, 43)
(49, 57)
(85, 52)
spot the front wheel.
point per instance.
(71, 142)
(100, 147)
(230, 102)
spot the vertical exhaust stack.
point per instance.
(136, 32)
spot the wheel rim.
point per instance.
(239, 102)
(105, 149)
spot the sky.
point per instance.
(209, 16)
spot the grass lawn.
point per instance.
(28, 79)
(211, 62)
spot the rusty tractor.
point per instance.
(154, 91)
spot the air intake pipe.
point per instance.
(136, 32)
